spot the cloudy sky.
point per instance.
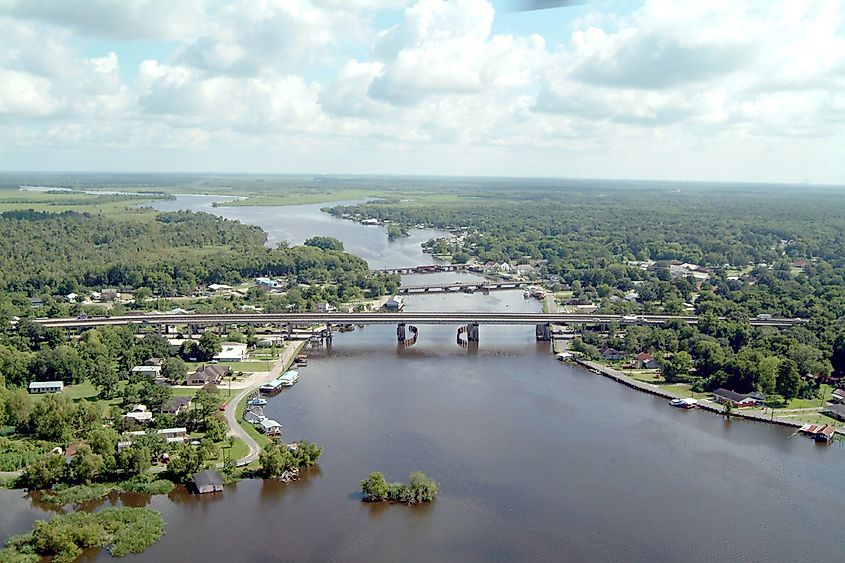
(699, 90)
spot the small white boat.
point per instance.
(687, 403)
(257, 402)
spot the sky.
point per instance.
(714, 90)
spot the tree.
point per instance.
(85, 466)
(374, 487)
(275, 460)
(677, 368)
(209, 346)
(767, 374)
(186, 461)
(134, 460)
(838, 356)
(174, 370)
(325, 243)
(44, 471)
(53, 418)
(788, 379)
(215, 429)
(189, 350)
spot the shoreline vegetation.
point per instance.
(62, 538)
(419, 488)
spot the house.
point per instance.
(267, 282)
(835, 411)
(270, 427)
(737, 400)
(838, 396)
(208, 482)
(644, 360)
(71, 297)
(150, 371)
(326, 307)
(177, 435)
(140, 414)
(36, 302)
(175, 405)
(612, 354)
(254, 415)
(819, 432)
(231, 352)
(525, 269)
(154, 362)
(395, 303)
(71, 450)
(211, 373)
(219, 287)
(38, 387)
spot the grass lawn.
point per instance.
(809, 417)
(250, 366)
(684, 390)
(648, 376)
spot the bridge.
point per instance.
(427, 269)
(465, 287)
(469, 321)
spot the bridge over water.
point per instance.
(469, 320)
(466, 287)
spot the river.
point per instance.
(536, 461)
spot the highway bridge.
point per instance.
(427, 269)
(465, 287)
(402, 317)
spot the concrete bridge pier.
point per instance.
(543, 332)
(400, 332)
(472, 332)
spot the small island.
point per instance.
(397, 230)
(420, 488)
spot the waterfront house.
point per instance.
(644, 360)
(38, 387)
(211, 373)
(612, 354)
(254, 415)
(208, 482)
(838, 396)
(819, 432)
(737, 400)
(270, 427)
(231, 352)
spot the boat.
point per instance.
(289, 378)
(687, 403)
(257, 402)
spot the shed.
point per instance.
(270, 427)
(37, 387)
(208, 481)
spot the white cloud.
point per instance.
(710, 89)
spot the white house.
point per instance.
(231, 352)
(270, 427)
(326, 307)
(266, 282)
(140, 413)
(38, 387)
(153, 371)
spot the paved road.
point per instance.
(231, 413)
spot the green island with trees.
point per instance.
(419, 488)
(62, 538)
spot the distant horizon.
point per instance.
(339, 175)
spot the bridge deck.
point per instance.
(407, 317)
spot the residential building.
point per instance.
(175, 405)
(38, 387)
(395, 303)
(205, 374)
(835, 411)
(208, 482)
(612, 354)
(270, 427)
(231, 352)
(838, 396)
(150, 371)
(737, 400)
(644, 360)
(140, 413)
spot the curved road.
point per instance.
(231, 413)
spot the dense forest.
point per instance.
(776, 252)
(59, 253)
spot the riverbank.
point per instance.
(703, 404)
(236, 429)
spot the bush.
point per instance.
(420, 488)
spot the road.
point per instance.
(231, 413)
